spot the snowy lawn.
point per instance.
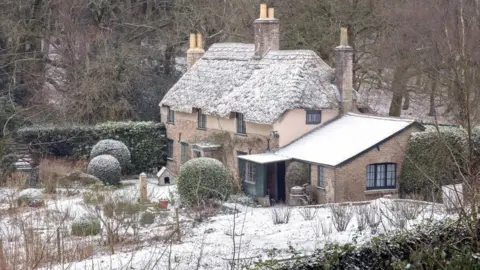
(212, 243)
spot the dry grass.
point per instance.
(53, 170)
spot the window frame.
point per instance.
(383, 170)
(170, 144)
(250, 173)
(170, 116)
(201, 120)
(240, 123)
(309, 113)
(321, 176)
(183, 152)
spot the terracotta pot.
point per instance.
(163, 203)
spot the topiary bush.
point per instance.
(433, 156)
(106, 168)
(89, 225)
(114, 148)
(146, 141)
(202, 179)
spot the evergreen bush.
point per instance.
(202, 179)
(112, 147)
(145, 140)
(106, 168)
(89, 225)
(433, 159)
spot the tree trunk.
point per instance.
(406, 103)
(398, 89)
(431, 112)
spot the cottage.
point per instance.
(256, 108)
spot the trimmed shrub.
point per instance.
(147, 218)
(145, 140)
(114, 148)
(31, 197)
(89, 225)
(201, 179)
(106, 168)
(433, 159)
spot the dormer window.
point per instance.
(170, 116)
(241, 129)
(201, 120)
(314, 117)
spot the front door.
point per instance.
(272, 189)
(281, 181)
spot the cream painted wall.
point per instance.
(292, 124)
(219, 123)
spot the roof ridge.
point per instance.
(391, 118)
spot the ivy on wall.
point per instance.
(145, 140)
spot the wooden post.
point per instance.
(143, 188)
(3, 263)
(177, 221)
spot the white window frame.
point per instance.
(250, 172)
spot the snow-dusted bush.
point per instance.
(362, 216)
(308, 213)
(281, 214)
(89, 225)
(30, 197)
(114, 148)
(202, 179)
(341, 216)
(106, 168)
(147, 218)
(242, 199)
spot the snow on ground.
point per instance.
(210, 243)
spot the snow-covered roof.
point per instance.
(228, 79)
(263, 158)
(343, 138)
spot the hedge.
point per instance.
(433, 156)
(145, 140)
(439, 245)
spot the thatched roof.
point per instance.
(227, 79)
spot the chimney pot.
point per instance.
(343, 36)
(192, 41)
(199, 41)
(263, 11)
(271, 13)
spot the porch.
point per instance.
(262, 175)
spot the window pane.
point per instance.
(391, 175)
(321, 182)
(169, 148)
(371, 176)
(380, 175)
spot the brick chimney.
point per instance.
(195, 50)
(267, 32)
(344, 71)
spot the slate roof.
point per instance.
(344, 138)
(227, 79)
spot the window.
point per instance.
(184, 153)
(201, 120)
(381, 176)
(320, 178)
(170, 148)
(314, 117)
(250, 173)
(240, 124)
(170, 116)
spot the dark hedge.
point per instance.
(145, 140)
(440, 245)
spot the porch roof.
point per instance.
(263, 158)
